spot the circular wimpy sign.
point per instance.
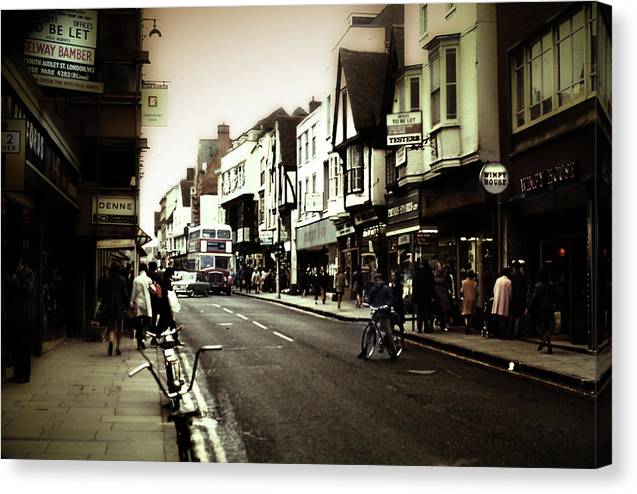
(494, 177)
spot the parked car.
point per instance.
(220, 280)
(191, 283)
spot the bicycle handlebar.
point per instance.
(148, 365)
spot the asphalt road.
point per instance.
(288, 388)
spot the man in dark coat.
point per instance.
(422, 292)
(115, 305)
(21, 296)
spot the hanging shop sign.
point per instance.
(344, 229)
(266, 237)
(401, 156)
(114, 210)
(494, 177)
(154, 104)
(404, 128)
(365, 217)
(59, 49)
(554, 175)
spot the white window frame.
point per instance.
(440, 53)
(313, 134)
(355, 170)
(423, 20)
(592, 21)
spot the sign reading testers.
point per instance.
(59, 50)
(404, 128)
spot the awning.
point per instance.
(409, 226)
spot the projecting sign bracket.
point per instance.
(429, 141)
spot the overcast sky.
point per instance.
(232, 65)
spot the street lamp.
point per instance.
(154, 30)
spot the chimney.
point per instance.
(223, 131)
(190, 173)
(314, 105)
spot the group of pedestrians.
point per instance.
(316, 281)
(256, 279)
(147, 303)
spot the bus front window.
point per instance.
(221, 262)
(206, 262)
(224, 234)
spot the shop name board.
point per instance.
(315, 234)
(406, 209)
(344, 229)
(555, 175)
(404, 128)
(314, 202)
(266, 237)
(114, 210)
(59, 51)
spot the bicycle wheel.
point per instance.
(368, 340)
(399, 342)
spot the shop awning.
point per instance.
(403, 227)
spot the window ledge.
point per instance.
(449, 12)
(552, 114)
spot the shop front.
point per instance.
(558, 221)
(316, 247)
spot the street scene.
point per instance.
(381, 238)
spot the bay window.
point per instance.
(443, 70)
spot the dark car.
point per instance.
(219, 280)
(191, 283)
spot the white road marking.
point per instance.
(242, 316)
(225, 323)
(422, 372)
(216, 305)
(282, 336)
(208, 424)
(259, 324)
(228, 311)
(307, 313)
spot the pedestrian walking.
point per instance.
(141, 304)
(155, 293)
(339, 284)
(518, 297)
(101, 283)
(542, 310)
(324, 282)
(357, 286)
(469, 292)
(502, 302)
(115, 305)
(21, 298)
(396, 286)
(256, 280)
(166, 316)
(315, 283)
(422, 293)
(443, 296)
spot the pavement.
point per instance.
(570, 366)
(80, 404)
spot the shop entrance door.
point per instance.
(565, 261)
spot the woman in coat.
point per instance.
(542, 309)
(141, 304)
(502, 302)
(443, 296)
(469, 291)
(339, 285)
(357, 286)
(115, 305)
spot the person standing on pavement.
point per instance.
(443, 296)
(324, 281)
(315, 282)
(115, 306)
(502, 302)
(339, 285)
(357, 286)
(542, 310)
(518, 289)
(469, 291)
(166, 316)
(422, 293)
(256, 280)
(141, 304)
(21, 303)
(154, 294)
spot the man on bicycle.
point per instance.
(381, 295)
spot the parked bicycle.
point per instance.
(374, 334)
(180, 415)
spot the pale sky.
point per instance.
(232, 65)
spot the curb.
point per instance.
(585, 386)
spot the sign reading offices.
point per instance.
(119, 210)
(59, 51)
(154, 104)
(404, 128)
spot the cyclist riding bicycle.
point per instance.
(381, 295)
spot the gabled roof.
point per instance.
(365, 79)
(267, 123)
(287, 137)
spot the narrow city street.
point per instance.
(288, 388)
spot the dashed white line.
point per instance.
(242, 316)
(224, 324)
(216, 305)
(256, 323)
(282, 336)
(228, 311)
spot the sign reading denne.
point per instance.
(404, 128)
(114, 209)
(59, 51)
